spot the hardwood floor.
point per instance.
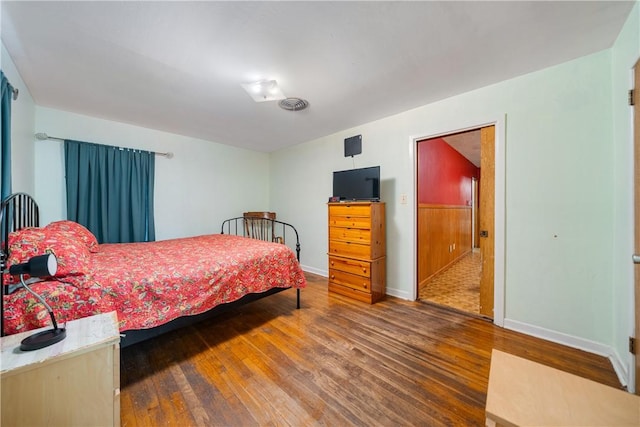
(333, 362)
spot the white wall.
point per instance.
(625, 53)
(203, 184)
(22, 125)
(559, 194)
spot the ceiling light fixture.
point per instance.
(265, 90)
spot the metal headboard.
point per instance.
(17, 211)
(276, 231)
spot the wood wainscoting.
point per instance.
(444, 236)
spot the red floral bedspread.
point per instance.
(149, 284)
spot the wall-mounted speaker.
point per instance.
(353, 146)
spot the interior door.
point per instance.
(636, 185)
(487, 215)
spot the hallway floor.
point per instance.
(458, 286)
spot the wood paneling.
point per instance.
(336, 361)
(444, 235)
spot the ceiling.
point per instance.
(178, 66)
(466, 143)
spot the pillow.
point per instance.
(76, 231)
(72, 254)
(23, 244)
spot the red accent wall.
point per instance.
(444, 175)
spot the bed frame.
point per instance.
(20, 211)
(271, 231)
(17, 211)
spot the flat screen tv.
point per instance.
(357, 184)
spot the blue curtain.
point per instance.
(110, 191)
(5, 130)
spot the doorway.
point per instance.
(455, 220)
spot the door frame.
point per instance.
(462, 125)
(634, 365)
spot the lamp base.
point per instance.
(43, 339)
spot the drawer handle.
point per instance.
(364, 270)
(333, 276)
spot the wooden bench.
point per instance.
(525, 393)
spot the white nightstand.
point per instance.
(526, 393)
(75, 382)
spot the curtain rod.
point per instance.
(15, 93)
(42, 136)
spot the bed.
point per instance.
(154, 286)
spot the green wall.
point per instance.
(565, 217)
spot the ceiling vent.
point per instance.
(293, 104)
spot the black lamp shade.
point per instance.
(38, 266)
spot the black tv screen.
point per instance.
(357, 184)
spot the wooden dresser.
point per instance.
(75, 382)
(357, 250)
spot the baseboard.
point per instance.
(399, 294)
(393, 292)
(574, 342)
(619, 366)
(308, 269)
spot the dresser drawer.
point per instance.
(348, 209)
(351, 280)
(354, 235)
(350, 222)
(348, 265)
(346, 249)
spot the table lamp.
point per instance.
(39, 266)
